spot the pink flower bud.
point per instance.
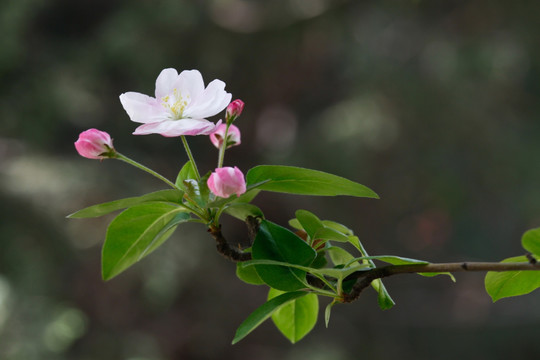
(233, 136)
(234, 110)
(94, 144)
(226, 181)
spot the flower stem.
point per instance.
(222, 147)
(190, 156)
(144, 168)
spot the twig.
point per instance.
(366, 277)
(223, 247)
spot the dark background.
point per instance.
(433, 104)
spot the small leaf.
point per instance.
(242, 210)
(204, 189)
(309, 221)
(193, 192)
(328, 234)
(452, 277)
(511, 283)
(136, 232)
(295, 224)
(248, 274)
(187, 172)
(338, 227)
(300, 181)
(341, 256)
(399, 260)
(263, 312)
(394, 260)
(246, 197)
(327, 313)
(384, 299)
(531, 241)
(274, 242)
(171, 195)
(296, 318)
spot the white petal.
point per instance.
(190, 82)
(171, 128)
(142, 108)
(213, 100)
(165, 82)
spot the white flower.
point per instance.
(180, 107)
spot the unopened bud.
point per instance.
(234, 110)
(95, 144)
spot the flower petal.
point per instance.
(172, 128)
(142, 108)
(210, 102)
(190, 83)
(165, 82)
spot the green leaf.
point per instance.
(328, 234)
(193, 192)
(136, 232)
(338, 227)
(296, 318)
(295, 224)
(511, 283)
(338, 273)
(274, 242)
(172, 196)
(300, 181)
(204, 189)
(531, 241)
(242, 210)
(246, 197)
(327, 313)
(263, 312)
(248, 274)
(384, 299)
(399, 260)
(341, 256)
(394, 260)
(452, 277)
(309, 221)
(187, 172)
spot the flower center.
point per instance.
(175, 103)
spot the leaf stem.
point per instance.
(144, 168)
(190, 156)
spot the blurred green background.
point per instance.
(433, 104)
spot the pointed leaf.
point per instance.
(328, 234)
(300, 181)
(248, 274)
(338, 227)
(327, 313)
(274, 242)
(531, 241)
(172, 196)
(295, 224)
(246, 197)
(384, 299)
(296, 318)
(136, 232)
(187, 172)
(341, 256)
(511, 283)
(263, 312)
(309, 221)
(242, 210)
